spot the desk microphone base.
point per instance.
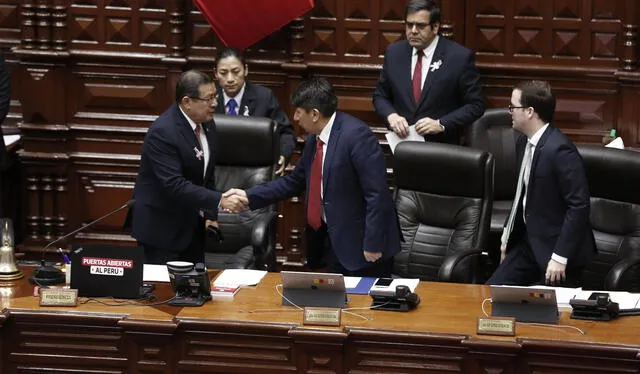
(391, 304)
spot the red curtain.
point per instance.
(241, 23)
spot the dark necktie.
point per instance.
(197, 131)
(417, 78)
(232, 105)
(314, 211)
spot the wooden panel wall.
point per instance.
(90, 76)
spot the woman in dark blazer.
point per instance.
(238, 96)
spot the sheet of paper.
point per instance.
(10, 139)
(394, 139)
(616, 143)
(351, 282)
(239, 277)
(155, 273)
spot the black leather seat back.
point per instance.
(246, 155)
(614, 181)
(443, 199)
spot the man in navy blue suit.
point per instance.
(174, 193)
(428, 80)
(350, 213)
(238, 96)
(547, 237)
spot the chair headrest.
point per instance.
(492, 118)
(442, 169)
(245, 141)
(613, 174)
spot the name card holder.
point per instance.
(58, 297)
(322, 316)
(503, 326)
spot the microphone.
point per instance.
(45, 275)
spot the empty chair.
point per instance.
(246, 155)
(443, 199)
(614, 178)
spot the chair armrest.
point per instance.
(614, 276)
(448, 267)
(263, 226)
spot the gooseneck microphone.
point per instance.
(45, 275)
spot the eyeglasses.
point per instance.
(512, 107)
(419, 25)
(207, 99)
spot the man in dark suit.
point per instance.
(547, 237)
(238, 96)
(174, 192)
(428, 80)
(350, 212)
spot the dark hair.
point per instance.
(230, 52)
(189, 84)
(316, 93)
(539, 96)
(415, 6)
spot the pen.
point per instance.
(64, 255)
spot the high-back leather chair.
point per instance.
(493, 132)
(246, 155)
(443, 199)
(614, 178)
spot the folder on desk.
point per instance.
(362, 287)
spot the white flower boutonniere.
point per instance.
(199, 153)
(436, 65)
(246, 111)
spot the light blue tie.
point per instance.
(524, 173)
(232, 105)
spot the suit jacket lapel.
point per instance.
(190, 138)
(438, 54)
(248, 104)
(334, 138)
(220, 109)
(405, 65)
(536, 157)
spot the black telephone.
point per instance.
(403, 301)
(598, 307)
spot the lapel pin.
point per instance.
(436, 65)
(199, 153)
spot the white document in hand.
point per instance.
(394, 139)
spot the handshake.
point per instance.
(234, 201)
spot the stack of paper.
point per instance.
(239, 277)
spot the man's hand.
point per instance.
(234, 200)
(555, 272)
(372, 256)
(398, 124)
(428, 126)
(503, 252)
(209, 222)
(281, 165)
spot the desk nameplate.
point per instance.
(322, 316)
(58, 297)
(504, 326)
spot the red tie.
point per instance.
(314, 212)
(197, 131)
(417, 78)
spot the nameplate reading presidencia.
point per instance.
(496, 326)
(58, 297)
(322, 316)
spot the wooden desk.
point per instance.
(239, 336)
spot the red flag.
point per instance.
(241, 23)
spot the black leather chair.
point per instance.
(443, 198)
(493, 133)
(246, 155)
(614, 177)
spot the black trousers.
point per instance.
(520, 268)
(321, 257)
(193, 253)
